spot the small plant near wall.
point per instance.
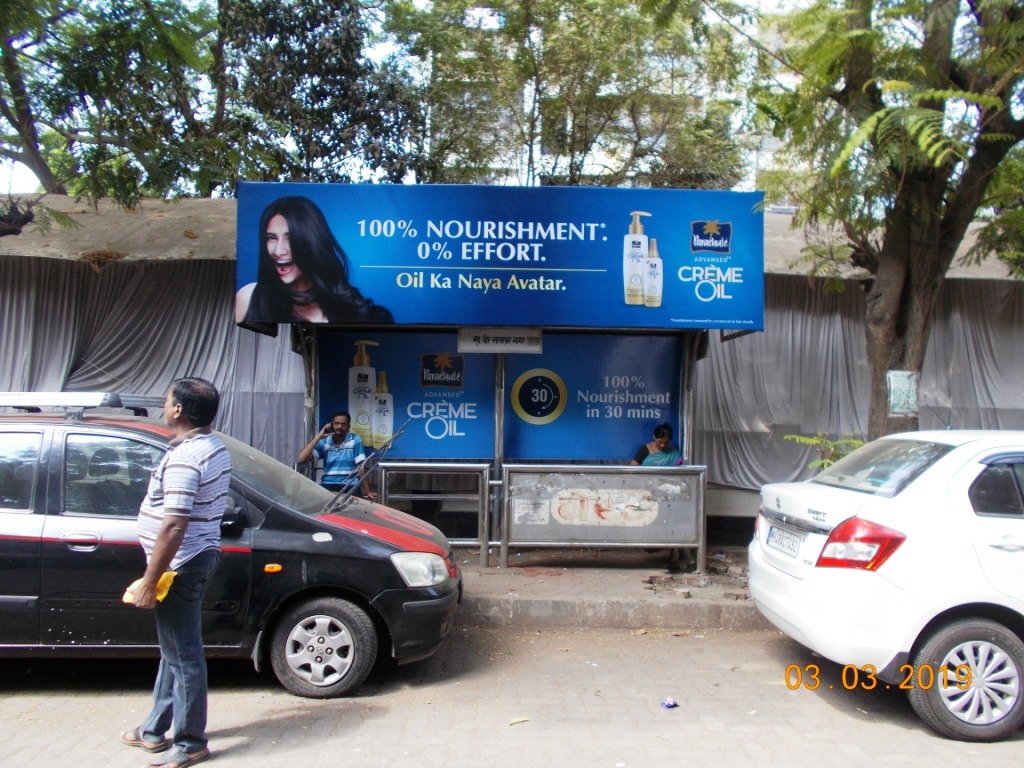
(828, 449)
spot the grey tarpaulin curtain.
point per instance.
(807, 373)
(135, 326)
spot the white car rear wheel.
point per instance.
(992, 706)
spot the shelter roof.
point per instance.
(157, 230)
(204, 228)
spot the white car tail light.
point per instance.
(856, 543)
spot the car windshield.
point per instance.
(883, 467)
(273, 479)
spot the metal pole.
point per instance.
(498, 500)
(305, 343)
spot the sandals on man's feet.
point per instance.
(134, 738)
(179, 758)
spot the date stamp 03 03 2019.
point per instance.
(852, 678)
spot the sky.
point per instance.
(16, 179)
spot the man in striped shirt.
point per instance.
(179, 529)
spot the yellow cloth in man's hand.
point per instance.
(162, 587)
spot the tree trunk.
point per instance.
(20, 116)
(902, 299)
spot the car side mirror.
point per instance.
(232, 514)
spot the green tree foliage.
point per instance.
(1004, 213)
(569, 92)
(303, 69)
(23, 24)
(830, 450)
(902, 121)
(125, 98)
(462, 73)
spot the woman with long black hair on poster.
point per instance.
(303, 272)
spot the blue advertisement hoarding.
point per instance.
(445, 400)
(591, 398)
(586, 397)
(456, 255)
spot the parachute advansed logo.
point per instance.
(442, 370)
(710, 237)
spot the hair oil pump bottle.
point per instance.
(654, 276)
(634, 254)
(362, 384)
(383, 412)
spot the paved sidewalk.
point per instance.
(505, 698)
(608, 588)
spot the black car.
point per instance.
(310, 581)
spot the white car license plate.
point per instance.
(783, 541)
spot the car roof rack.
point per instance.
(76, 402)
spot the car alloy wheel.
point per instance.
(323, 648)
(991, 707)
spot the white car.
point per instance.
(904, 562)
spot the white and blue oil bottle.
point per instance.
(654, 276)
(634, 254)
(383, 412)
(362, 385)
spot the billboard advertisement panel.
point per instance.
(458, 255)
(388, 380)
(586, 397)
(591, 398)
